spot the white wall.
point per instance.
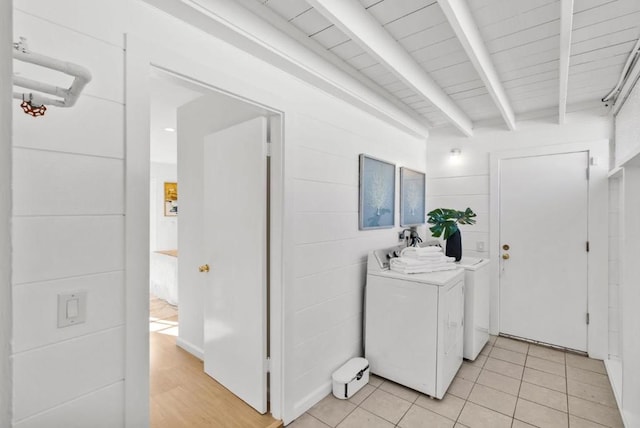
(68, 180)
(614, 268)
(465, 182)
(627, 145)
(616, 238)
(164, 230)
(627, 141)
(6, 109)
(330, 252)
(630, 295)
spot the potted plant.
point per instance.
(446, 220)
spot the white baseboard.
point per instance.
(310, 400)
(190, 348)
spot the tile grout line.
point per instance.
(359, 404)
(513, 419)
(480, 369)
(566, 386)
(466, 400)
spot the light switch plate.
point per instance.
(479, 246)
(72, 303)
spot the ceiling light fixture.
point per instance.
(170, 129)
(455, 153)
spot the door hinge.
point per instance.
(268, 149)
(588, 173)
(267, 365)
(587, 318)
(587, 246)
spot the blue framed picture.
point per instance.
(412, 187)
(377, 193)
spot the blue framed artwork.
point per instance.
(412, 186)
(377, 193)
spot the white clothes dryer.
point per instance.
(414, 325)
(476, 305)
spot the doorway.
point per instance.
(543, 248)
(192, 113)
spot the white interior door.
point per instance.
(543, 221)
(235, 235)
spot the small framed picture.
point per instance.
(412, 192)
(377, 193)
(170, 199)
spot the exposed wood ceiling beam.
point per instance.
(566, 24)
(351, 17)
(461, 20)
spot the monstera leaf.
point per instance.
(445, 220)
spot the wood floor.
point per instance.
(182, 395)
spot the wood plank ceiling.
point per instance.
(522, 38)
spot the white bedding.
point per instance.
(163, 277)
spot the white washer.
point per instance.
(476, 305)
(414, 325)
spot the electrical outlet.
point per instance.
(480, 246)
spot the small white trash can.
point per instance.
(349, 378)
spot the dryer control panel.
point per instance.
(384, 256)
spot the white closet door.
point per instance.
(235, 234)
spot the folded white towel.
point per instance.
(438, 258)
(407, 261)
(420, 251)
(403, 262)
(422, 256)
(424, 269)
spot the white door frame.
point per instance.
(6, 144)
(598, 232)
(141, 58)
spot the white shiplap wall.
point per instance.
(616, 241)
(627, 141)
(6, 107)
(614, 269)
(68, 235)
(627, 147)
(330, 251)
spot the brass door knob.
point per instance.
(203, 268)
(505, 256)
(505, 247)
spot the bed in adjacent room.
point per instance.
(163, 276)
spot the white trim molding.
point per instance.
(6, 301)
(137, 177)
(143, 57)
(190, 348)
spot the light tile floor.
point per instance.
(511, 384)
